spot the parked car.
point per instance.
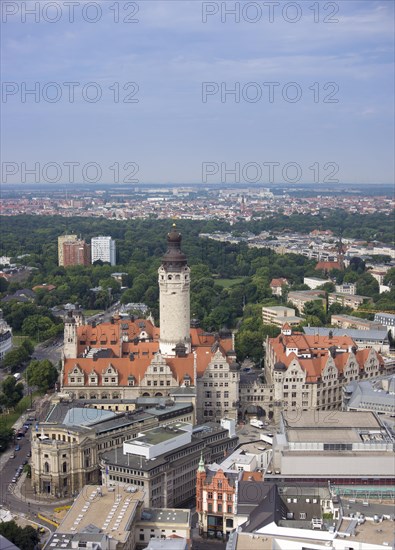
(24, 462)
(14, 480)
(12, 455)
(18, 448)
(29, 454)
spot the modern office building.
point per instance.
(164, 460)
(339, 447)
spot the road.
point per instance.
(19, 497)
(51, 349)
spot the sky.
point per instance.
(141, 92)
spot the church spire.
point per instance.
(201, 468)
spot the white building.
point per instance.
(5, 337)
(278, 315)
(315, 282)
(387, 320)
(103, 248)
(338, 446)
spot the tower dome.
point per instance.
(174, 257)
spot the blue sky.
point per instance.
(169, 53)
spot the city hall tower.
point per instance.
(174, 290)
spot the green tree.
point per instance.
(389, 278)
(28, 346)
(38, 326)
(249, 344)
(14, 358)
(6, 436)
(12, 392)
(315, 309)
(4, 284)
(42, 374)
(367, 285)
(25, 538)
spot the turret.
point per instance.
(200, 479)
(70, 337)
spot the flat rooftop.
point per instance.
(109, 511)
(167, 515)
(325, 436)
(370, 532)
(334, 420)
(160, 434)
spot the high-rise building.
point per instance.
(76, 253)
(61, 240)
(103, 248)
(174, 290)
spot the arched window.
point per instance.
(64, 467)
(46, 467)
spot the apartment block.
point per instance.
(76, 253)
(278, 315)
(61, 240)
(348, 321)
(103, 248)
(347, 300)
(299, 298)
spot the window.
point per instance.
(302, 515)
(210, 507)
(229, 509)
(210, 495)
(219, 496)
(219, 507)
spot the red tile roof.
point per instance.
(318, 348)
(110, 336)
(328, 265)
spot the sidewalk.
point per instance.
(23, 491)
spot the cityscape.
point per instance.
(197, 275)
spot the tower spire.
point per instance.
(201, 464)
